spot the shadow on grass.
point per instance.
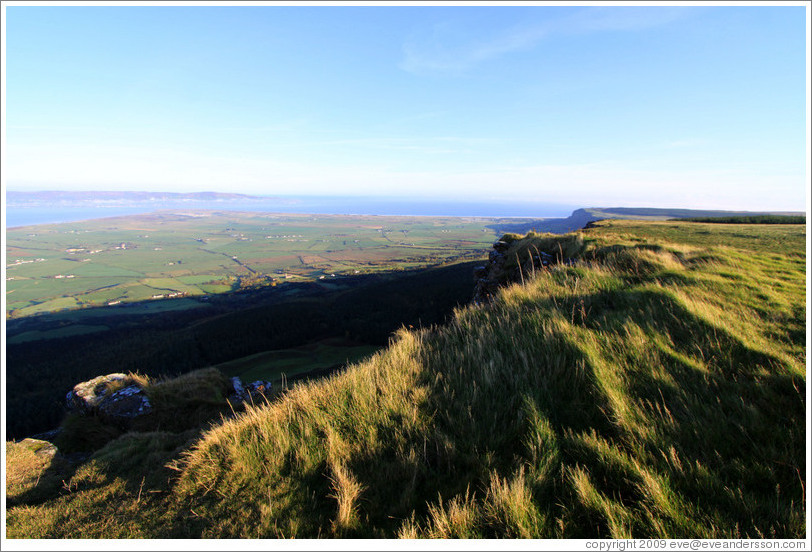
(136, 459)
(728, 419)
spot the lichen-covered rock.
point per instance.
(86, 397)
(114, 398)
(125, 404)
(39, 447)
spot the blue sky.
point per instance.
(699, 106)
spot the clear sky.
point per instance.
(695, 106)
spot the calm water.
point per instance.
(24, 216)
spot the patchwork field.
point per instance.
(176, 254)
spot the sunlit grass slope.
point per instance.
(655, 389)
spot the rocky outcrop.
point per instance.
(85, 397)
(515, 258)
(252, 393)
(126, 404)
(115, 398)
(487, 278)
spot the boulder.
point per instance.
(40, 447)
(125, 404)
(105, 397)
(86, 397)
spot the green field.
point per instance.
(155, 256)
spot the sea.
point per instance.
(27, 215)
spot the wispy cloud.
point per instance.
(445, 49)
(438, 51)
(624, 18)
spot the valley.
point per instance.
(191, 254)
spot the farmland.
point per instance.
(168, 255)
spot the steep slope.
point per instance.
(656, 388)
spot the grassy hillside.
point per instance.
(655, 389)
(751, 219)
(650, 213)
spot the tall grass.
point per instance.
(656, 389)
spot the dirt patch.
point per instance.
(286, 260)
(313, 260)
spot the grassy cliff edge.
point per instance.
(656, 388)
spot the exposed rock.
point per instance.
(484, 290)
(125, 404)
(498, 272)
(259, 387)
(501, 246)
(236, 383)
(39, 447)
(251, 393)
(104, 397)
(86, 397)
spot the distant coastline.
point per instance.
(33, 208)
(112, 197)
